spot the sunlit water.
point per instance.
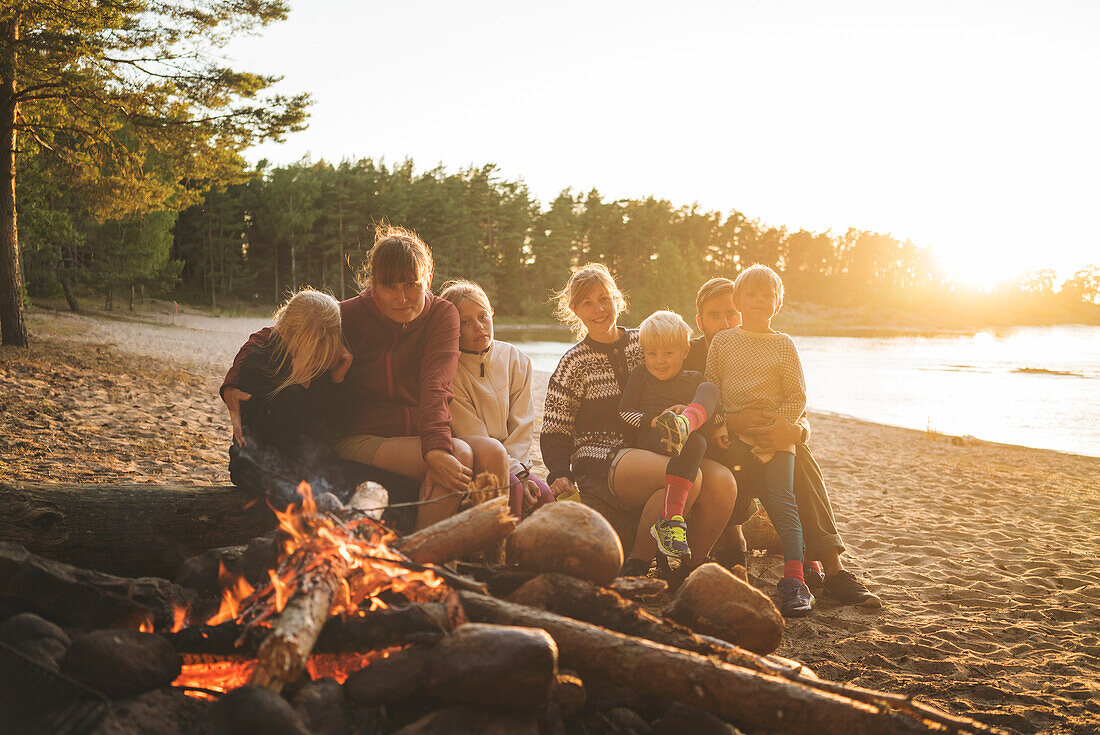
(1033, 386)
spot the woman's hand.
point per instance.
(722, 440)
(445, 470)
(233, 397)
(562, 486)
(777, 433)
(343, 364)
(753, 416)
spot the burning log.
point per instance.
(460, 535)
(747, 698)
(377, 630)
(161, 526)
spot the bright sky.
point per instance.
(971, 127)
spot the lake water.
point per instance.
(1033, 386)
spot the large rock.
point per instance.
(714, 602)
(36, 638)
(760, 533)
(321, 705)
(122, 663)
(569, 538)
(468, 720)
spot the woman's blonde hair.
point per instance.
(664, 329)
(759, 275)
(398, 256)
(310, 340)
(460, 289)
(583, 280)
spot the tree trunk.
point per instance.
(131, 530)
(109, 299)
(13, 326)
(340, 265)
(133, 295)
(67, 286)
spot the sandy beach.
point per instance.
(987, 556)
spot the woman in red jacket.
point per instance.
(404, 348)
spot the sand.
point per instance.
(987, 556)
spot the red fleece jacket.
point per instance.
(402, 375)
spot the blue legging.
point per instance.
(773, 483)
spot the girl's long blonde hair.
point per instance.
(310, 339)
(583, 280)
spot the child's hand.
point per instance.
(343, 364)
(677, 409)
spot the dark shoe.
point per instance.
(815, 578)
(671, 537)
(635, 568)
(846, 589)
(795, 600)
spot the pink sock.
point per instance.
(676, 495)
(793, 568)
(816, 568)
(696, 416)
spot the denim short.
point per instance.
(599, 486)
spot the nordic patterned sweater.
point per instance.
(581, 429)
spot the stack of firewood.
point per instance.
(549, 642)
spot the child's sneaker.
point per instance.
(671, 536)
(674, 430)
(795, 600)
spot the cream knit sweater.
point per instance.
(493, 398)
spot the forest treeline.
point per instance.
(310, 223)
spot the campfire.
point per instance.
(333, 619)
(333, 561)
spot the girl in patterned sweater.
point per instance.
(754, 363)
(582, 440)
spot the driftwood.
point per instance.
(747, 698)
(460, 535)
(495, 665)
(129, 530)
(84, 598)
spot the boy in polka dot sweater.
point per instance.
(754, 364)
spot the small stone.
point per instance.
(36, 638)
(683, 719)
(321, 705)
(253, 710)
(628, 720)
(121, 663)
